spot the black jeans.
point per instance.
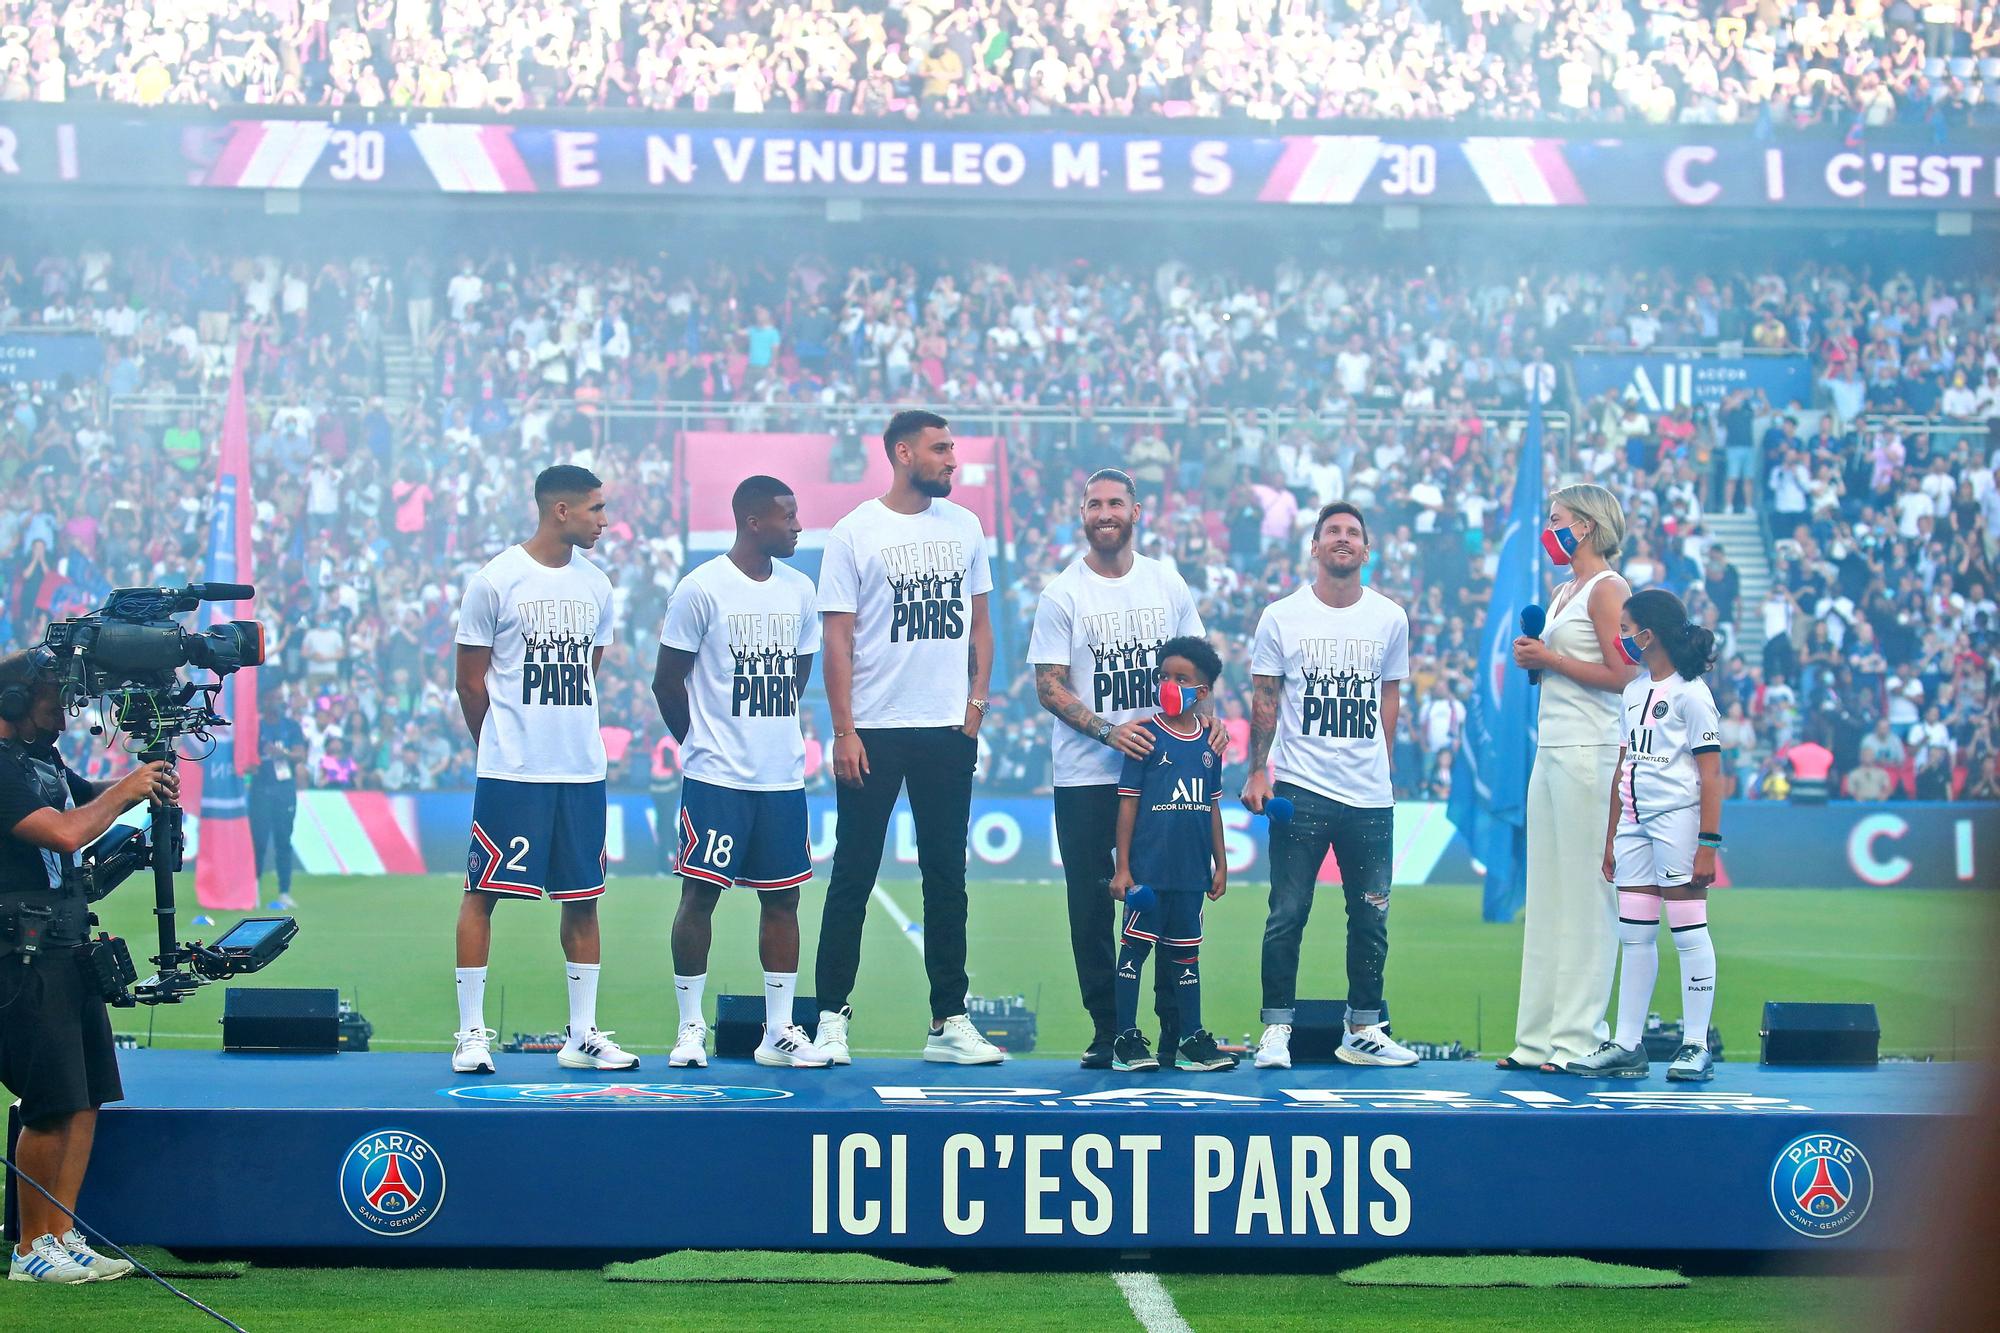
(1363, 842)
(938, 763)
(273, 811)
(1087, 835)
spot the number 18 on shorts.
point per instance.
(532, 838)
(753, 838)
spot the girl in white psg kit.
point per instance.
(1661, 844)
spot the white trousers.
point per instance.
(1570, 950)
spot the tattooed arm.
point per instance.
(1265, 693)
(1053, 690)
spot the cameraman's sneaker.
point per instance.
(1200, 1053)
(790, 1048)
(960, 1043)
(1373, 1046)
(47, 1261)
(832, 1035)
(1611, 1060)
(593, 1050)
(472, 1052)
(101, 1267)
(1692, 1064)
(1131, 1054)
(690, 1047)
(1274, 1048)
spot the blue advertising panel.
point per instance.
(1663, 382)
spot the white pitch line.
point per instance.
(1151, 1305)
(912, 932)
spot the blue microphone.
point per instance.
(1140, 898)
(1278, 809)
(1533, 619)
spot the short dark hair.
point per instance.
(1119, 475)
(754, 495)
(1327, 511)
(1199, 652)
(909, 422)
(564, 479)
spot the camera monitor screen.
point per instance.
(248, 934)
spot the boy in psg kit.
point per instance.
(1325, 666)
(531, 636)
(735, 655)
(1170, 856)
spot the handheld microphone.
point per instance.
(1533, 619)
(1278, 809)
(1141, 898)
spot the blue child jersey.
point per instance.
(1173, 842)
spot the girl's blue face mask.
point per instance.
(1629, 645)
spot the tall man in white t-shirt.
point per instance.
(902, 591)
(1324, 666)
(531, 635)
(1095, 649)
(735, 655)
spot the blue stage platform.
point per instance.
(393, 1152)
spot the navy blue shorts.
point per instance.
(531, 838)
(1175, 920)
(753, 838)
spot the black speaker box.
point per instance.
(1317, 1026)
(739, 1022)
(1820, 1034)
(278, 1018)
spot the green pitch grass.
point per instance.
(417, 1300)
(386, 943)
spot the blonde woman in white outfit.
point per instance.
(1571, 947)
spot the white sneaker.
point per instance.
(960, 1043)
(1373, 1046)
(473, 1053)
(690, 1047)
(1274, 1048)
(593, 1050)
(832, 1036)
(101, 1267)
(47, 1261)
(790, 1048)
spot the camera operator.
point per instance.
(56, 1051)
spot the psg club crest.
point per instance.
(392, 1182)
(612, 1094)
(1821, 1186)
(1659, 709)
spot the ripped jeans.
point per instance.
(1363, 843)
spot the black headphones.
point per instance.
(17, 697)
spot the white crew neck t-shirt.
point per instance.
(1667, 723)
(1108, 633)
(909, 580)
(543, 625)
(743, 693)
(1336, 663)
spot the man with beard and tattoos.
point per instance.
(1095, 650)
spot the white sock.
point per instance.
(582, 996)
(1638, 966)
(687, 994)
(779, 988)
(471, 999)
(1697, 950)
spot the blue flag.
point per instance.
(1489, 790)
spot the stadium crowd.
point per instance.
(1393, 385)
(1772, 63)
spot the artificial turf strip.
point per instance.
(770, 1266)
(166, 1264)
(1505, 1270)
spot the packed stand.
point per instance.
(1395, 387)
(1774, 63)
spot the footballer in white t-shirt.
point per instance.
(735, 655)
(531, 634)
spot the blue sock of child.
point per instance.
(1131, 964)
(1183, 964)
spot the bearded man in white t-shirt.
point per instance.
(531, 636)
(903, 585)
(1325, 667)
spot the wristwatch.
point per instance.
(1103, 733)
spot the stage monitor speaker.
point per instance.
(1317, 1027)
(278, 1018)
(739, 1022)
(1820, 1034)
